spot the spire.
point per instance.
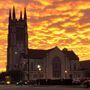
(20, 15)
(9, 14)
(14, 16)
(25, 15)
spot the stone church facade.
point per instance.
(37, 64)
(52, 64)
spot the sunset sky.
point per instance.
(62, 23)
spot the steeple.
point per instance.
(20, 15)
(14, 16)
(25, 15)
(9, 14)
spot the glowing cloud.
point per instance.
(62, 23)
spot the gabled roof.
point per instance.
(40, 54)
(37, 53)
(70, 54)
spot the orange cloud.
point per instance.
(62, 23)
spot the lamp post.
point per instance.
(65, 73)
(28, 68)
(16, 64)
(65, 67)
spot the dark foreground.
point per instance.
(59, 87)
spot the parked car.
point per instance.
(2, 82)
(22, 83)
(86, 83)
(5, 83)
(76, 82)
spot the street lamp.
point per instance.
(38, 66)
(16, 52)
(39, 69)
(66, 73)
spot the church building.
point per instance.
(34, 63)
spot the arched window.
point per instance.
(56, 67)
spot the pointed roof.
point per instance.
(21, 15)
(14, 15)
(25, 14)
(9, 14)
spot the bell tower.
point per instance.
(17, 39)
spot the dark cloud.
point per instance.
(28, 2)
(86, 17)
(40, 19)
(85, 41)
(20, 1)
(57, 25)
(70, 30)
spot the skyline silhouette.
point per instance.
(50, 24)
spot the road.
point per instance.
(13, 87)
